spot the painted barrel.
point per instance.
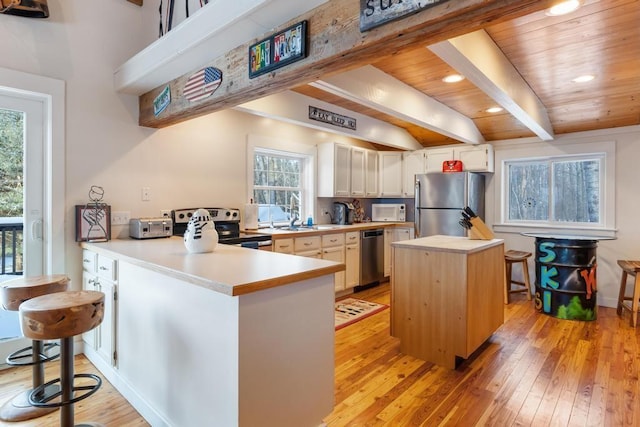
(566, 278)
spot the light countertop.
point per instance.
(229, 269)
(448, 244)
(320, 229)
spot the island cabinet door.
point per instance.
(485, 300)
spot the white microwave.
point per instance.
(388, 212)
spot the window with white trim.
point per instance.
(278, 185)
(555, 191)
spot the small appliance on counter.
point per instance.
(150, 228)
(388, 212)
(342, 213)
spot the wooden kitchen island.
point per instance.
(236, 337)
(446, 296)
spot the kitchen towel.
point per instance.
(251, 216)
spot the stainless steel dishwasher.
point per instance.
(371, 256)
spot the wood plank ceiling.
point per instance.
(601, 38)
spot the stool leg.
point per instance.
(38, 368)
(66, 381)
(507, 283)
(525, 274)
(623, 286)
(635, 303)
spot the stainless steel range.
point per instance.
(227, 223)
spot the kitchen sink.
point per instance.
(307, 228)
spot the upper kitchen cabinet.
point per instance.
(358, 171)
(435, 157)
(371, 174)
(345, 171)
(413, 163)
(390, 173)
(475, 158)
(334, 170)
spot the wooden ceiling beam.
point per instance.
(335, 45)
(371, 87)
(480, 60)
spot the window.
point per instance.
(556, 191)
(277, 186)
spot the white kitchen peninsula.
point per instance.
(237, 337)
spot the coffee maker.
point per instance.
(342, 213)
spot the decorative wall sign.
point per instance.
(161, 101)
(334, 119)
(374, 13)
(282, 48)
(202, 83)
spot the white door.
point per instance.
(26, 117)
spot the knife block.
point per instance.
(479, 231)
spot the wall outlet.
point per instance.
(146, 194)
(120, 217)
(325, 212)
(165, 213)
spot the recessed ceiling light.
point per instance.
(583, 79)
(453, 78)
(563, 8)
(493, 110)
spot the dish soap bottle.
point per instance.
(309, 221)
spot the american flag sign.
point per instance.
(202, 83)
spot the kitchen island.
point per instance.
(237, 337)
(446, 296)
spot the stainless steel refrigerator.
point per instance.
(441, 196)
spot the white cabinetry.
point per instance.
(371, 174)
(328, 246)
(352, 259)
(333, 250)
(345, 171)
(475, 158)
(334, 170)
(358, 171)
(394, 234)
(413, 163)
(434, 158)
(100, 273)
(390, 173)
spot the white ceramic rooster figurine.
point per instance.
(201, 235)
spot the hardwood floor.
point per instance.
(535, 370)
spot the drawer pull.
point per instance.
(308, 243)
(284, 246)
(103, 268)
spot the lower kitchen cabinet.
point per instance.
(352, 259)
(394, 235)
(100, 273)
(333, 250)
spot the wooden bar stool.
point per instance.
(629, 268)
(63, 315)
(13, 293)
(511, 257)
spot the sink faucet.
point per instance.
(294, 218)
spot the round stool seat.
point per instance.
(12, 294)
(61, 314)
(15, 292)
(516, 256)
